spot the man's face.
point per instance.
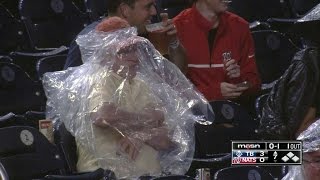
(311, 165)
(217, 6)
(141, 13)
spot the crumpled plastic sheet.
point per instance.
(104, 101)
(311, 142)
(313, 15)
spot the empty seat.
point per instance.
(67, 146)
(252, 10)
(301, 7)
(11, 32)
(5, 59)
(273, 53)
(50, 64)
(232, 122)
(18, 92)
(243, 173)
(28, 60)
(51, 23)
(173, 177)
(213, 141)
(96, 9)
(173, 8)
(25, 153)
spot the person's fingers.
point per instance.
(123, 145)
(135, 153)
(172, 32)
(130, 151)
(230, 62)
(126, 146)
(164, 17)
(233, 73)
(169, 27)
(232, 66)
(234, 94)
(241, 89)
(230, 87)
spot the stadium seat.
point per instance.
(51, 23)
(213, 141)
(274, 52)
(18, 92)
(232, 122)
(96, 9)
(11, 32)
(12, 119)
(28, 60)
(173, 8)
(243, 173)
(261, 10)
(26, 154)
(260, 101)
(173, 177)
(5, 59)
(67, 146)
(301, 7)
(50, 64)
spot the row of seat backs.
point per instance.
(226, 112)
(51, 23)
(274, 52)
(211, 140)
(26, 153)
(262, 10)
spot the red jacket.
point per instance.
(233, 40)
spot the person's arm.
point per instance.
(159, 138)
(178, 56)
(247, 63)
(135, 127)
(109, 115)
(74, 56)
(176, 51)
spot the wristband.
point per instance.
(174, 44)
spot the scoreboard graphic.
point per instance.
(266, 153)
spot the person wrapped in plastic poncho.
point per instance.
(310, 168)
(129, 108)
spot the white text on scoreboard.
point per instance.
(266, 153)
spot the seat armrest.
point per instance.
(95, 175)
(41, 54)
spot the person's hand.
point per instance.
(169, 28)
(154, 116)
(104, 114)
(160, 139)
(232, 69)
(231, 91)
(130, 147)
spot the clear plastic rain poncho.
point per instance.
(126, 97)
(311, 142)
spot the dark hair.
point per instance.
(114, 4)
